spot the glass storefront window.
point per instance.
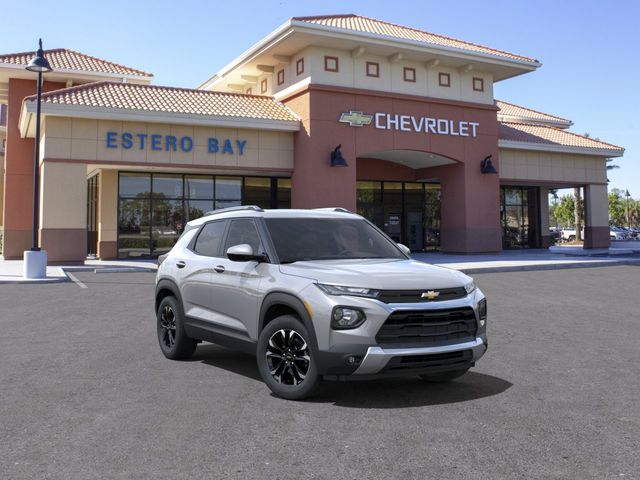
(409, 212)
(197, 208)
(228, 192)
(432, 216)
(153, 208)
(199, 187)
(167, 224)
(257, 191)
(519, 217)
(284, 193)
(133, 227)
(369, 201)
(135, 185)
(167, 186)
(392, 205)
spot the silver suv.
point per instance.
(315, 295)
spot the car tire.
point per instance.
(174, 342)
(571, 238)
(286, 360)
(444, 377)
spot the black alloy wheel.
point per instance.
(285, 358)
(288, 357)
(168, 326)
(174, 342)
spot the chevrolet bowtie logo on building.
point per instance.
(356, 119)
(430, 295)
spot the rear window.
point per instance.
(209, 239)
(297, 239)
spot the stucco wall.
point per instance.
(352, 73)
(535, 166)
(85, 140)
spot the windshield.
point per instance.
(299, 239)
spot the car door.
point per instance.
(195, 272)
(236, 285)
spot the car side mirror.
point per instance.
(243, 253)
(404, 249)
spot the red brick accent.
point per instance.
(18, 175)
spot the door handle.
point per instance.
(181, 264)
(219, 269)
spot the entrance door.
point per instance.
(92, 216)
(520, 217)
(414, 231)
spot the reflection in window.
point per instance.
(135, 185)
(154, 208)
(167, 224)
(167, 186)
(133, 227)
(228, 192)
(257, 191)
(200, 187)
(284, 193)
(197, 208)
(209, 239)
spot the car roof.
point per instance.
(251, 211)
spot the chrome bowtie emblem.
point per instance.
(355, 119)
(430, 295)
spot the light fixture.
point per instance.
(336, 158)
(35, 260)
(486, 166)
(39, 63)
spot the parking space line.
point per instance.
(76, 281)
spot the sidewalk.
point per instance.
(11, 270)
(506, 261)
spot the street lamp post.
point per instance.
(35, 260)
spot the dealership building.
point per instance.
(397, 124)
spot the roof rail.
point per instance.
(333, 209)
(253, 208)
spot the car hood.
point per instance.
(381, 274)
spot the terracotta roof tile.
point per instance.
(369, 25)
(542, 134)
(65, 59)
(512, 110)
(154, 98)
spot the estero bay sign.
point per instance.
(411, 123)
(171, 143)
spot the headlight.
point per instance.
(353, 291)
(345, 317)
(470, 287)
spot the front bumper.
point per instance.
(375, 361)
(377, 358)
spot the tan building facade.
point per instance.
(427, 153)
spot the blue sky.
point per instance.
(590, 72)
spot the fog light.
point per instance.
(353, 360)
(345, 317)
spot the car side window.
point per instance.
(209, 239)
(244, 231)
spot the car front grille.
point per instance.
(427, 327)
(435, 361)
(415, 296)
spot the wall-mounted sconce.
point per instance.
(486, 166)
(336, 158)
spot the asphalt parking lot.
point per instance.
(87, 394)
